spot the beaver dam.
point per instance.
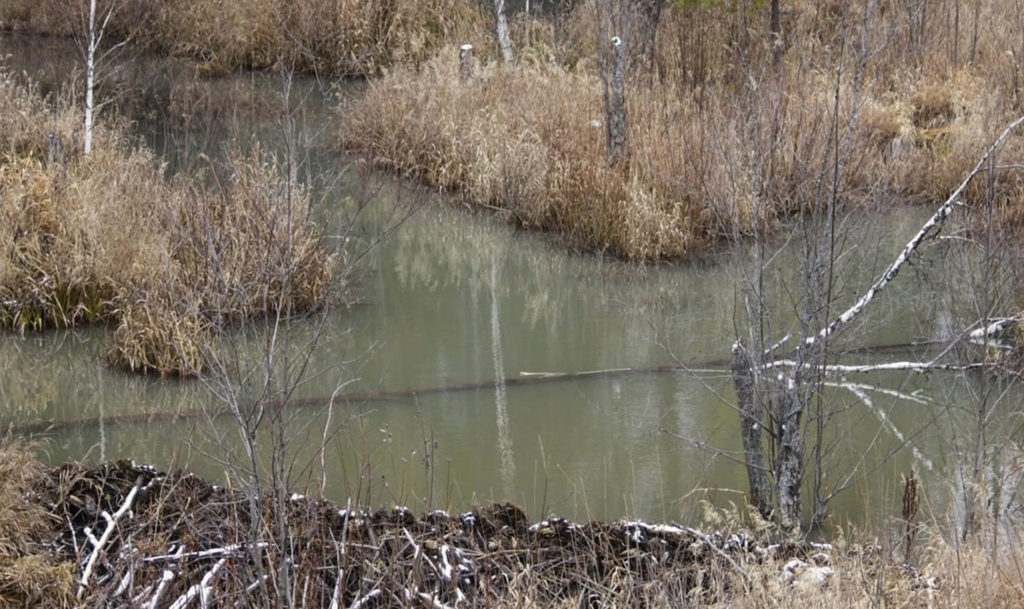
(121, 534)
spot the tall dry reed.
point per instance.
(30, 574)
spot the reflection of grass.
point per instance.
(709, 147)
(107, 238)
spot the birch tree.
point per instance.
(504, 41)
(94, 38)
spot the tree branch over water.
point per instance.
(934, 224)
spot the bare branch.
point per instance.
(99, 544)
(933, 224)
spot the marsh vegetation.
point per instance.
(760, 147)
(109, 238)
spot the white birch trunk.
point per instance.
(90, 77)
(503, 38)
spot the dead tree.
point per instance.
(646, 17)
(616, 124)
(465, 62)
(501, 24)
(773, 394)
(95, 30)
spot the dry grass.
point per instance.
(717, 138)
(108, 238)
(30, 575)
(349, 37)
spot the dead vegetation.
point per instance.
(891, 102)
(31, 574)
(107, 238)
(347, 37)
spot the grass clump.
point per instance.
(543, 161)
(722, 141)
(107, 238)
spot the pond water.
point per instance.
(457, 316)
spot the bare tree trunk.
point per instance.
(615, 104)
(503, 38)
(751, 420)
(646, 15)
(790, 467)
(90, 77)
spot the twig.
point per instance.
(226, 551)
(202, 589)
(861, 392)
(432, 600)
(711, 544)
(372, 594)
(165, 580)
(336, 595)
(98, 545)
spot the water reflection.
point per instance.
(508, 466)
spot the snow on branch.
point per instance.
(861, 391)
(98, 544)
(933, 223)
(919, 367)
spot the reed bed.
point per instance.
(860, 110)
(107, 238)
(161, 538)
(343, 37)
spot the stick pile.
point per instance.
(142, 538)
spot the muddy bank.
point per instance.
(140, 537)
